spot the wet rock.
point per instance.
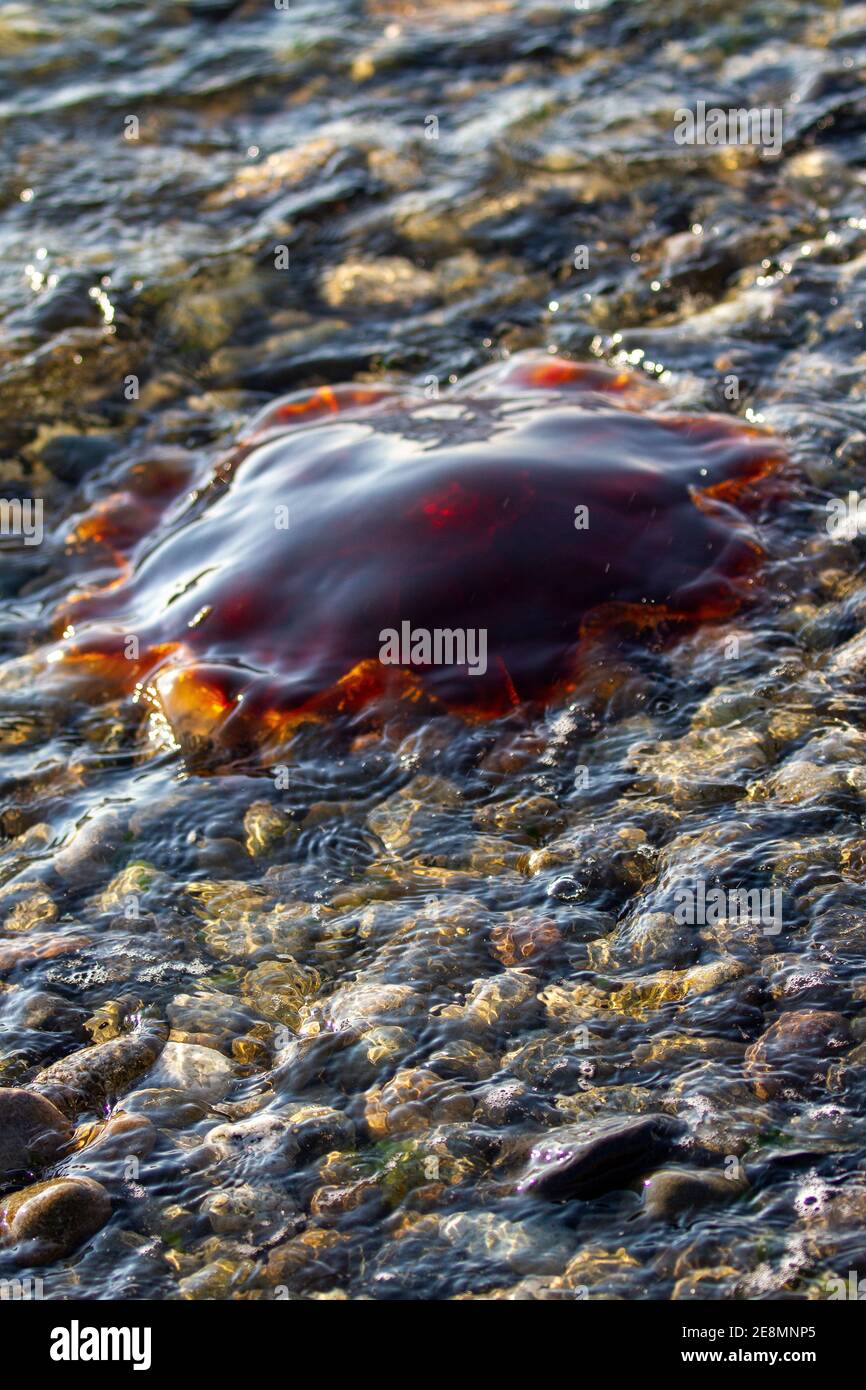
(597, 1102)
(723, 1113)
(441, 944)
(91, 851)
(280, 990)
(332, 1201)
(363, 1004)
(504, 1000)
(120, 1138)
(376, 284)
(33, 909)
(587, 1161)
(313, 1260)
(705, 767)
(833, 1218)
(481, 1235)
(201, 1072)
(45, 1013)
(51, 1219)
(641, 997)
(255, 1213)
(414, 1099)
(137, 886)
(558, 1063)
(685, 1048)
(33, 1132)
(525, 940)
(238, 936)
(713, 1283)
(674, 1192)
(221, 854)
(796, 978)
(376, 1053)
(43, 947)
(312, 1060)
(320, 1129)
(71, 456)
(653, 938)
(88, 1079)
(849, 1074)
(277, 171)
(530, 816)
(512, 1103)
(264, 826)
(224, 1278)
(796, 1053)
(408, 821)
(167, 1106)
(462, 1059)
(221, 1017)
(801, 780)
(571, 1005)
(490, 854)
(734, 1011)
(276, 1142)
(606, 1272)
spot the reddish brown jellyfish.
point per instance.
(363, 544)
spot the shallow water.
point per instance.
(458, 938)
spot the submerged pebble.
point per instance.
(33, 1132)
(201, 1073)
(586, 1162)
(86, 1080)
(796, 1053)
(51, 1219)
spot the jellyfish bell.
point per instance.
(539, 503)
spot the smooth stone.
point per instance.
(482, 1236)
(275, 1142)
(673, 1192)
(252, 1213)
(92, 1077)
(49, 1220)
(33, 1132)
(265, 1143)
(202, 1072)
(71, 456)
(586, 1162)
(120, 1138)
(796, 1052)
(167, 1106)
(365, 1004)
(512, 1103)
(91, 852)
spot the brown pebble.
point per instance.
(33, 1132)
(49, 1220)
(796, 1052)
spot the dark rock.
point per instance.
(567, 890)
(586, 1162)
(674, 1192)
(33, 1132)
(70, 457)
(68, 305)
